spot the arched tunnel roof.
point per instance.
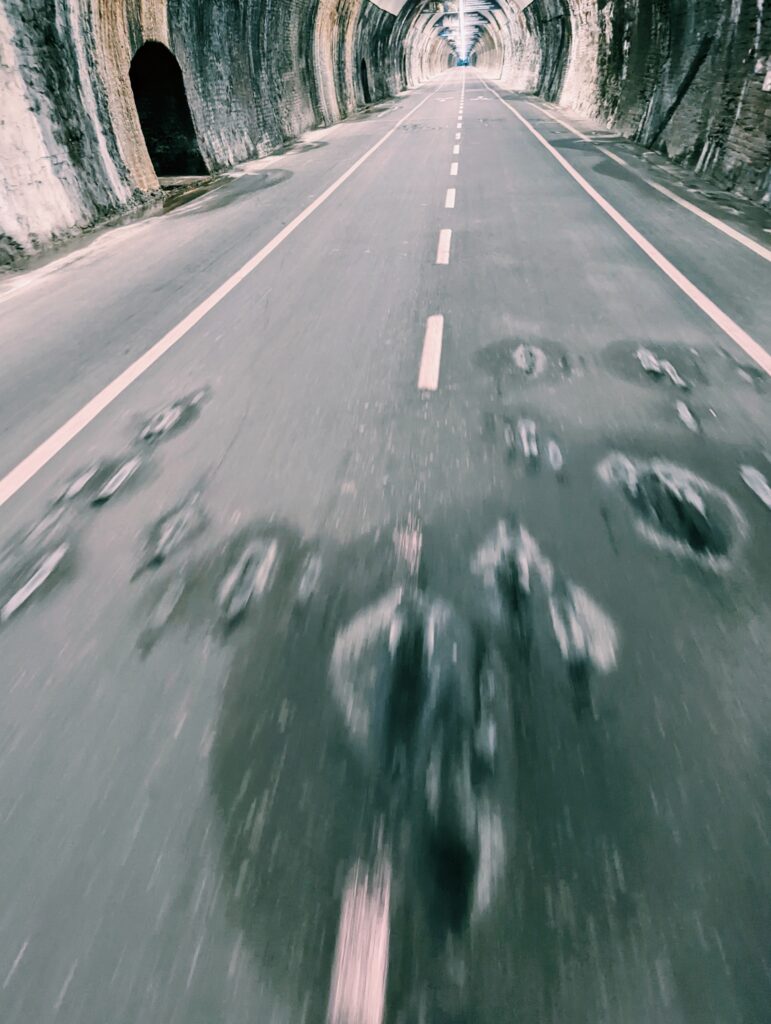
(459, 23)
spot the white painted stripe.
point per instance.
(430, 361)
(457, 135)
(736, 333)
(454, 170)
(613, 156)
(449, 201)
(749, 243)
(443, 248)
(34, 462)
(360, 971)
(738, 236)
(455, 150)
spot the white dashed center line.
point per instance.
(449, 202)
(360, 970)
(428, 377)
(443, 249)
(457, 135)
(455, 150)
(454, 170)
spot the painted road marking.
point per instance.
(457, 135)
(455, 150)
(749, 243)
(360, 971)
(613, 156)
(454, 170)
(443, 249)
(42, 455)
(428, 376)
(736, 333)
(449, 202)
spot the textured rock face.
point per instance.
(255, 73)
(689, 77)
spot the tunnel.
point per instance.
(384, 615)
(164, 112)
(365, 83)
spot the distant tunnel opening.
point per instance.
(164, 113)
(365, 83)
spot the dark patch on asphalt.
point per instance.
(523, 441)
(610, 169)
(678, 510)
(174, 530)
(116, 477)
(665, 363)
(569, 142)
(660, 369)
(34, 561)
(101, 481)
(519, 361)
(248, 579)
(391, 691)
(225, 586)
(174, 417)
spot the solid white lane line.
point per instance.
(613, 156)
(430, 361)
(455, 150)
(749, 243)
(449, 201)
(443, 248)
(34, 462)
(736, 333)
(454, 170)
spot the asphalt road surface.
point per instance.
(384, 604)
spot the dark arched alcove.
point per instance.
(365, 83)
(164, 113)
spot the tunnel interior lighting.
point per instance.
(463, 24)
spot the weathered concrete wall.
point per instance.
(256, 73)
(689, 77)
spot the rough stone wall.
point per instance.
(689, 77)
(256, 73)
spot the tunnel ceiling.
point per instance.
(460, 23)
